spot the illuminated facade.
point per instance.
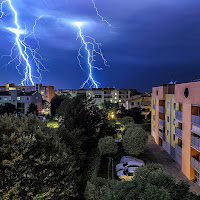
(21, 100)
(100, 95)
(47, 92)
(176, 124)
(139, 101)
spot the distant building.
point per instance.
(142, 101)
(47, 92)
(21, 100)
(176, 124)
(100, 95)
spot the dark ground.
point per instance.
(153, 154)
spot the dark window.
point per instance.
(186, 92)
(132, 103)
(168, 118)
(174, 106)
(174, 137)
(157, 92)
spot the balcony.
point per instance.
(178, 132)
(178, 149)
(195, 120)
(154, 106)
(195, 162)
(161, 135)
(195, 129)
(161, 124)
(195, 143)
(162, 109)
(179, 116)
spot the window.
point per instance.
(174, 121)
(174, 106)
(167, 118)
(18, 98)
(28, 98)
(120, 101)
(115, 97)
(174, 137)
(168, 105)
(138, 103)
(167, 133)
(132, 103)
(0, 98)
(115, 93)
(5, 98)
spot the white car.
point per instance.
(126, 159)
(124, 166)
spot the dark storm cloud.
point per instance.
(153, 40)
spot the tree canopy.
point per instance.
(152, 183)
(134, 140)
(107, 145)
(32, 109)
(34, 163)
(7, 108)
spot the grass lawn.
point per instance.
(53, 124)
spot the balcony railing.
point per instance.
(178, 149)
(161, 135)
(195, 119)
(161, 124)
(178, 132)
(154, 106)
(195, 162)
(195, 129)
(179, 115)
(195, 143)
(161, 109)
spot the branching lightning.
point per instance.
(24, 50)
(92, 48)
(102, 18)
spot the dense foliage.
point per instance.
(152, 183)
(107, 145)
(134, 140)
(34, 163)
(55, 103)
(7, 108)
(32, 108)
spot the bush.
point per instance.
(107, 145)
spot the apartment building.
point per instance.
(176, 124)
(21, 100)
(47, 92)
(100, 95)
(142, 101)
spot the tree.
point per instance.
(134, 140)
(55, 103)
(152, 183)
(97, 187)
(126, 120)
(107, 145)
(32, 109)
(134, 92)
(7, 108)
(34, 164)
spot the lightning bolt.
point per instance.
(92, 48)
(24, 50)
(102, 18)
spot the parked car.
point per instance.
(126, 159)
(124, 166)
(125, 175)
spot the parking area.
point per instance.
(156, 154)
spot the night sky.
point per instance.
(154, 41)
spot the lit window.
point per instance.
(167, 133)
(115, 93)
(5, 98)
(115, 97)
(18, 98)
(115, 101)
(120, 100)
